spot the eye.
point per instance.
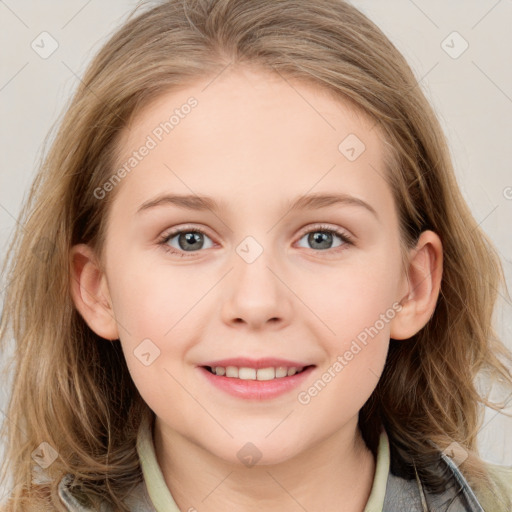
(190, 240)
(322, 238)
(184, 240)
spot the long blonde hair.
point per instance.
(72, 389)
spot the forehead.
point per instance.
(249, 137)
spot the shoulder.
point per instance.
(73, 497)
(76, 500)
(501, 494)
(502, 476)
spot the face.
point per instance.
(253, 277)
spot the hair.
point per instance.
(72, 389)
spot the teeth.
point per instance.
(253, 374)
(281, 372)
(246, 373)
(266, 374)
(231, 371)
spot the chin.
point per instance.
(257, 450)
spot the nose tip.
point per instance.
(255, 296)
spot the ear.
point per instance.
(421, 287)
(90, 293)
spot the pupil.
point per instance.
(190, 237)
(322, 238)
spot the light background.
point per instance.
(472, 95)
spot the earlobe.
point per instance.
(424, 276)
(90, 293)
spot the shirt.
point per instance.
(390, 491)
(163, 501)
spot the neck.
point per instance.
(334, 474)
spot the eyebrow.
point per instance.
(306, 202)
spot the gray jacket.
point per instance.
(402, 494)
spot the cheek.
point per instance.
(358, 313)
(150, 306)
(149, 299)
(352, 296)
(345, 382)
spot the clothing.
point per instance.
(390, 492)
(163, 501)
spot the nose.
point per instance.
(256, 295)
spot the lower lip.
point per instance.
(256, 389)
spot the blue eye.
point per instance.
(322, 238)
(191, 240)
(188, 240)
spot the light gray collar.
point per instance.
(402, 495)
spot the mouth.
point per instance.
(257, 382)
(260, 374)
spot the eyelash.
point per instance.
(163, 241)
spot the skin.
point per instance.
(254, 142)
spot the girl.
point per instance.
(319, 348)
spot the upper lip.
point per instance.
(266, 362)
